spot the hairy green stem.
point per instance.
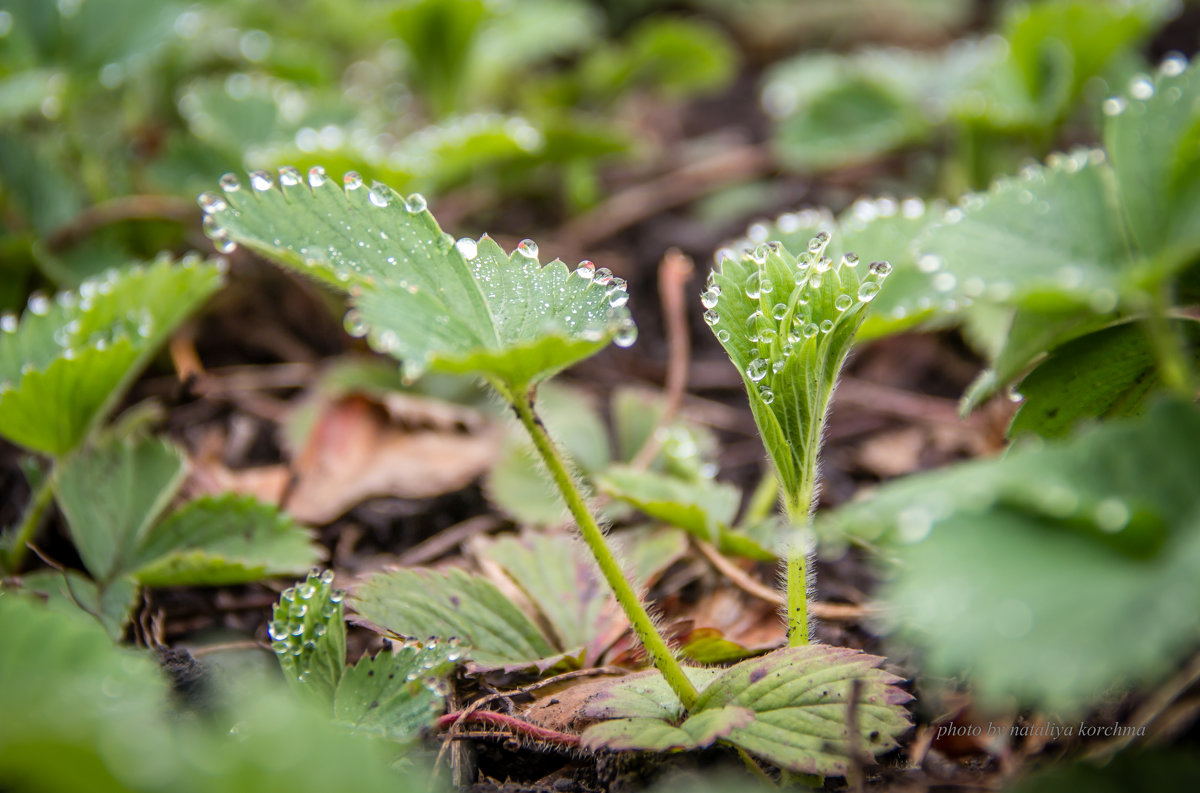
(21, 538)
(799, 507)
(657, 648)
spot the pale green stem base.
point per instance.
(23, 535)
(656, 647)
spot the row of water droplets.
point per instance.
(790, 315)
(67, 310)
(1144, 87)
(302, 618)
(599, 284)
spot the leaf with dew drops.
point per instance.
(308, 635)
(436, 304)
(68, 358)
(788, 323)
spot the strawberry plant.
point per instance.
(467, 306)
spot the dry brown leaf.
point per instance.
(404, 447)
(893, 453)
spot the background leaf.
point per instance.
(419, 604)
(111, 494)
(227, 539)
(68, 359)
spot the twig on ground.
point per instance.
(673, 275)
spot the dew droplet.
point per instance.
(39, 304)
(850, 260)
(316, 176)
(818, 243)
(712, 317)
(1114, 106)
(211, 202)
(882, 269)
(289, 176)
(756, 370)
(767, 335)
(468, 248)
(602, 276)
(417, 203)
(766, 395)
(867, 291)
(618, 298)
(766, 286)
(779, 311)
(709, 299)
(354, 324)
(224, 245)
(229, 183)
(379, 195)
(529, 249)
(754, 286)
(327, 577)
(352, 180)
(261, 181)
(586, 270)
(944, 281)
(843, 302)
(809, 330)
(626, 334)
(305, 591)
(1141, 87)
(8, 323)
(723, 335)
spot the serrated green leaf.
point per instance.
(788, 342)
(1050, 238)
(227, 539)
(464, 308)
(1022, 570)
(72, 591)
(563, 583)
(418, 603)
(1111, 373)
(789, 707)
(397, 693)
(308, 635)
(800, 697)
(1152, 136)
(656, 735)
(69, 358)
(111, 494)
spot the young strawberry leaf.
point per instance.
(227, 539)
(789, 708)
(68, 360)
(882, 225)
(70, 591)
(111, 494)
(788, 323)
(465, 307)
(419, 604)
(308, 635)
(396, 693)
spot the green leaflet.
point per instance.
(421, 604)
(227, 539)
(1107, 374)
(465, 307)
(111, 494)
(397, 693)
(789, 707)
(788, 323)
(68, 359)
